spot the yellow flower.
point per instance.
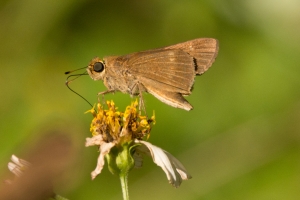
(120, 136)
(113, 125)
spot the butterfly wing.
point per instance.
(165, 73)
(203, 50)
(172, 70)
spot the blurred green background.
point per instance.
(242, 139)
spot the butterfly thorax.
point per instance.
(118, 78)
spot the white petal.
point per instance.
(15, 159)
(95, 140)
(179, 167)
(104, 149)
(19, 162)
(15, 169)
(171, 166)
(8, 182)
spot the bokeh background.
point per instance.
(242, 139)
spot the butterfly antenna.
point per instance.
(76, 76)
(68, 72)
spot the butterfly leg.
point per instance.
(137, 89)
(103, 93)
(141, 100)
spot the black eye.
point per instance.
(98, 67)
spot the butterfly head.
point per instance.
(96, 69)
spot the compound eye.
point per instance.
(98, 67)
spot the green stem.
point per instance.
(124, 185)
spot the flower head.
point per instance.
(17, 166)
(115, 126)
(120, 137)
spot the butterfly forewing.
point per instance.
(172, 68)
(203, 50)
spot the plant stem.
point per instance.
(124, 185)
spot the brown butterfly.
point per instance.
(167, 73)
